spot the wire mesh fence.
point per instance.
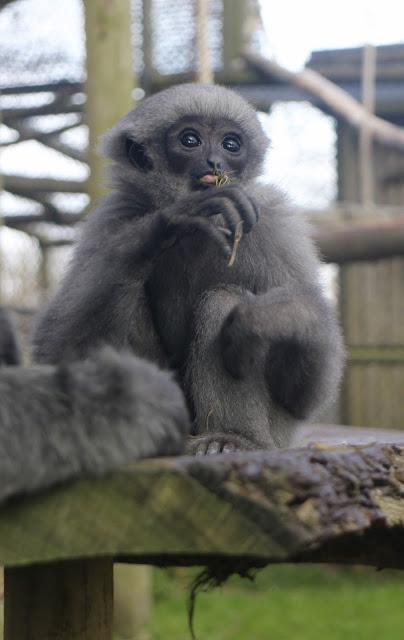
(43, 133)
(43, 138)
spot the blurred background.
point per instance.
(69, 69)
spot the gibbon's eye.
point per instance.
(231, 143)
(190, 139)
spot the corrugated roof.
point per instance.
(346, 64)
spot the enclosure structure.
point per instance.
(371, 287)
(43, 99)
(245, 511)
(371, 293)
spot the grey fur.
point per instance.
(84, 418)
(256, 346)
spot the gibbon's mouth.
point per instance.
(213, 179)
(204, 180)
(208, 178)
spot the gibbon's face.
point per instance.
(206, 152)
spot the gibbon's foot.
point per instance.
(211, 443)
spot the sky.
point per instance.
(295, 28)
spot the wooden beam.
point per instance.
(365, 132)
(59, 106)
(24, 186)
(360, 241)
(66, 86)
(342, 504)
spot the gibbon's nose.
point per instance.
(214, 163)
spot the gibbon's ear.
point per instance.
(119, 144)
(137, 155)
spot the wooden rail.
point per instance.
(334, 504)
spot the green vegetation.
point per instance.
(285, 603)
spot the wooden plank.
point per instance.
(376, 353)
(373, 394)
(65, 601)
(254, 508)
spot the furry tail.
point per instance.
(88, 417)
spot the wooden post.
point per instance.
(1, 224)
(66, 600)
(110, 75)
(110, 82)
(365, 133)
(204, 69)
(234, 18)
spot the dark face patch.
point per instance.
(198, 148)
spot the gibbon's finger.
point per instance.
(226, 231)
(190, 225)
(247, 210)
(226, 208)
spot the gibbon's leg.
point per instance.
(229, 414)
(292, 329)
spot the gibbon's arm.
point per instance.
(84, 418)
(101, 297)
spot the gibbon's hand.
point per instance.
(192, 214)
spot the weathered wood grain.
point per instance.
(342, 504)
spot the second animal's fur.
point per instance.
(81, 418)
(218, 282)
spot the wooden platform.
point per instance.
(317, 504)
